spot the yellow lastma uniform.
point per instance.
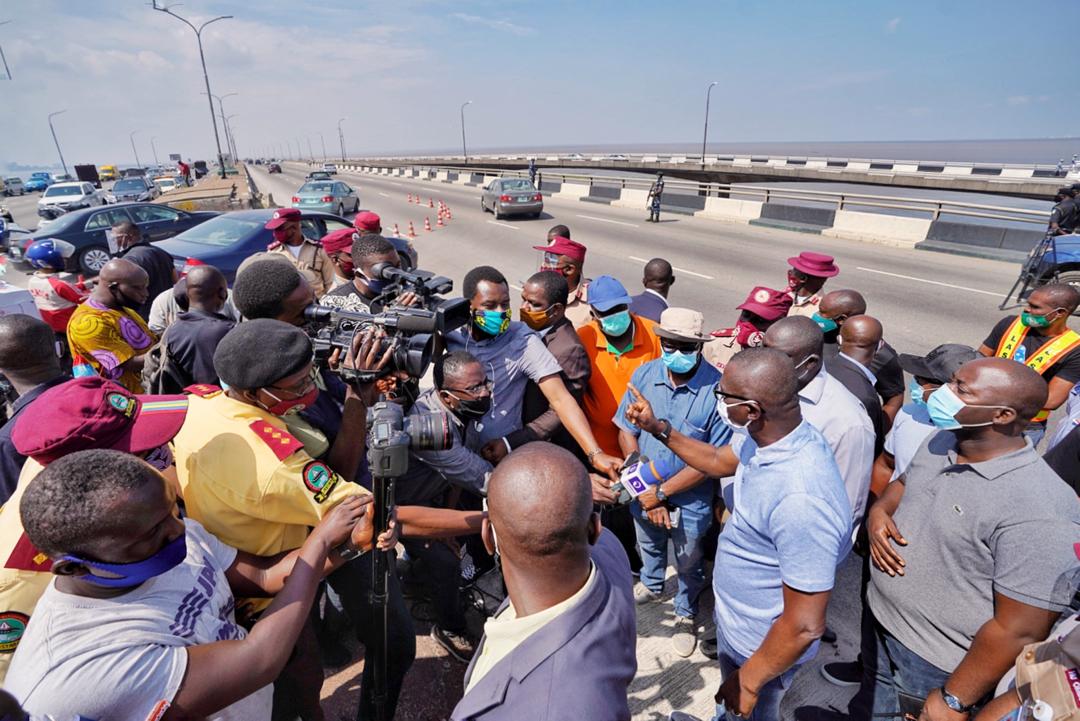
(1047, 355)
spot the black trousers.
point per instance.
(443, 577)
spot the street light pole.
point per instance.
(58, 112)
(154, 149)
(230, 146)
(206, 78)
(323, 141)
(341, 138)
(6, 68)
(311, 155)
(464, 150)
(131, 137)
(230, 139)
(708, 92)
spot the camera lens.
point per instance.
(429, 431)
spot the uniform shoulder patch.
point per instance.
(274, 246)
(26, 557)
(320, 480)
(12, 628)
(282, 443)
(203, 390)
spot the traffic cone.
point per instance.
(412, 230)
(430, 203)
(427, 224)
(397, 233)
(449, 215)
(410, 197)
(440, 223)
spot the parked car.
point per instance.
(228, 239)
(132, 189)
(13, 185)
(133, 173)
(273, 168)
(107, 172)
(62, 178)
(39, 181)
(167, 184)
(512, 196)
(329, 168)
(318, 175)
(85, 229)
(70, 196)
(329, 196)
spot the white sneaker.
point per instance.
(643, 595)
(685, 637)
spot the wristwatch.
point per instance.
(660, 495)
(954, 703)
(664, 434)
(347, 551)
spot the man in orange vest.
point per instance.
(1040, 338)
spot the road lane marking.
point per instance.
(931, 282)
(504, 225)
(385, 195)
(605, 220)
(681, 270)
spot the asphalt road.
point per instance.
(922, 298)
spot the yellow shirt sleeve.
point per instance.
(302, 490)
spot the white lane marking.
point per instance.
(504, 225)
(385, 195)
(931, 282)
(605, 220)
(681, 270)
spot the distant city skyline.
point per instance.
(540, 75)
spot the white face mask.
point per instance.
(722, 410)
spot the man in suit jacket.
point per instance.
(657, 281)
(860, 337)
(564, 640)
(543, 308)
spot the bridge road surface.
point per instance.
(951, 298)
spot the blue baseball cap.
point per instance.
(606, 292)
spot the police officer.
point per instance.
(656, 193)
(1064, 216)
(306, 255)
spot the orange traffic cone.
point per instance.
(430, 203)
(410, 197)
(427, 224)
(449, 215)
(412, 230)
(440, 223)
(396, 232)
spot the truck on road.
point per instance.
(108, 172)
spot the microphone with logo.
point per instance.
(637, 474)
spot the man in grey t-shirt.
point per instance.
(972, 549)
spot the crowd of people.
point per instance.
(188, 523)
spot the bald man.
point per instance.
(658, 279)
(564, 640)
(972, 549)
(1040, 338)
(193, 337)
(860, 337)
(106, 334)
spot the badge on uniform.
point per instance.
(320, 480)
(12, 628)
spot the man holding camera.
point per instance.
(368, 251)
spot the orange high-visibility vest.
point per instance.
(1049, 354)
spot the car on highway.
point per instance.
(574, 156)
(228, 239)
(70, 196)
(86, 230)
(166, 184)
(14, 186)
(132, 189)
(512, 196)
(319, 175)
(273, 168)
(329, 196)
(329, 168)
(62, 178)
(38, 182)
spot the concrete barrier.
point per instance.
(730, 210)
(635, 198)
(878, 228)
(572, 191)
(858, 166)
(442, 175)
(551, 187)
(957, 170)
(603, 193)
(905, 168)
(795, 217)
(1016, 172)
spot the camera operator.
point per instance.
(368, 250)
(512, 355)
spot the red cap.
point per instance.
(282, 216)
(818, 265)
(92, 412)
(368, 221)
(767, 303)
(564, 246)
(338, 241)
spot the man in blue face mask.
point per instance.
(678, 509)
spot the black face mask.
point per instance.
(473, 407)
(123, 299)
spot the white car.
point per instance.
(329, 168)
(166, 184)
(70, 196)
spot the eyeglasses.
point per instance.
(486, 385)
(721, 395)
(297, 390)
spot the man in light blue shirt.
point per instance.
(790, 526)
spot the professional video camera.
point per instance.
(425, 284)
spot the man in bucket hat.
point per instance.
(806, 278)
(678, 508)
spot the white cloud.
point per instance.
(1017, 100)
(501, 25)
(892, 25)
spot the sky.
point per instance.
(540, 74)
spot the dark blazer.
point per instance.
(852, 378)
(540, 422)
(648, 305)
(578, 666)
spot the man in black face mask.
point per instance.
(368, 250)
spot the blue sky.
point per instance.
(540, 74)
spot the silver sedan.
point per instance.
(512, 196)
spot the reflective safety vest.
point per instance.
(1050, 353)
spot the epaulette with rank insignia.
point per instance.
(203, 390)
(25, 557)
(274, 246)
(281, 442)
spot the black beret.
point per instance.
(258, 353)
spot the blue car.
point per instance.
(228, 239)
(38, 182)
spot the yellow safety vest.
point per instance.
(1046, 356)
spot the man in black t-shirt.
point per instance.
(157, 263)
(368, 250)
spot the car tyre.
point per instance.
(483, 208)
(495, 210)
(92, 259)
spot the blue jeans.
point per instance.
(890, 668)
(688, 540)
(1035, 433)
(771, 694)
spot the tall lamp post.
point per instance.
(231, 141)
(154, 149)
(131, 137)
(341, 138)
(206, 78)
(464, 149)
(3, 58)
(311, 155)
(323, 141)
(230, 146)
(51, 128)
(708, 92)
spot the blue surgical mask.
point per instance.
(616, 324)
(943, 405)
(827, 325)
(492, 322)
(679, 361)
(917, 393)
(129, 575)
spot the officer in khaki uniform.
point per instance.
(254, 485)
(306, 255)
(78, 415)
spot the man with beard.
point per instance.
(762, 307)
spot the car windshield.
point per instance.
(55, 190)
(317, 188)
(129, 184)
(222, 231)
(518, 185)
